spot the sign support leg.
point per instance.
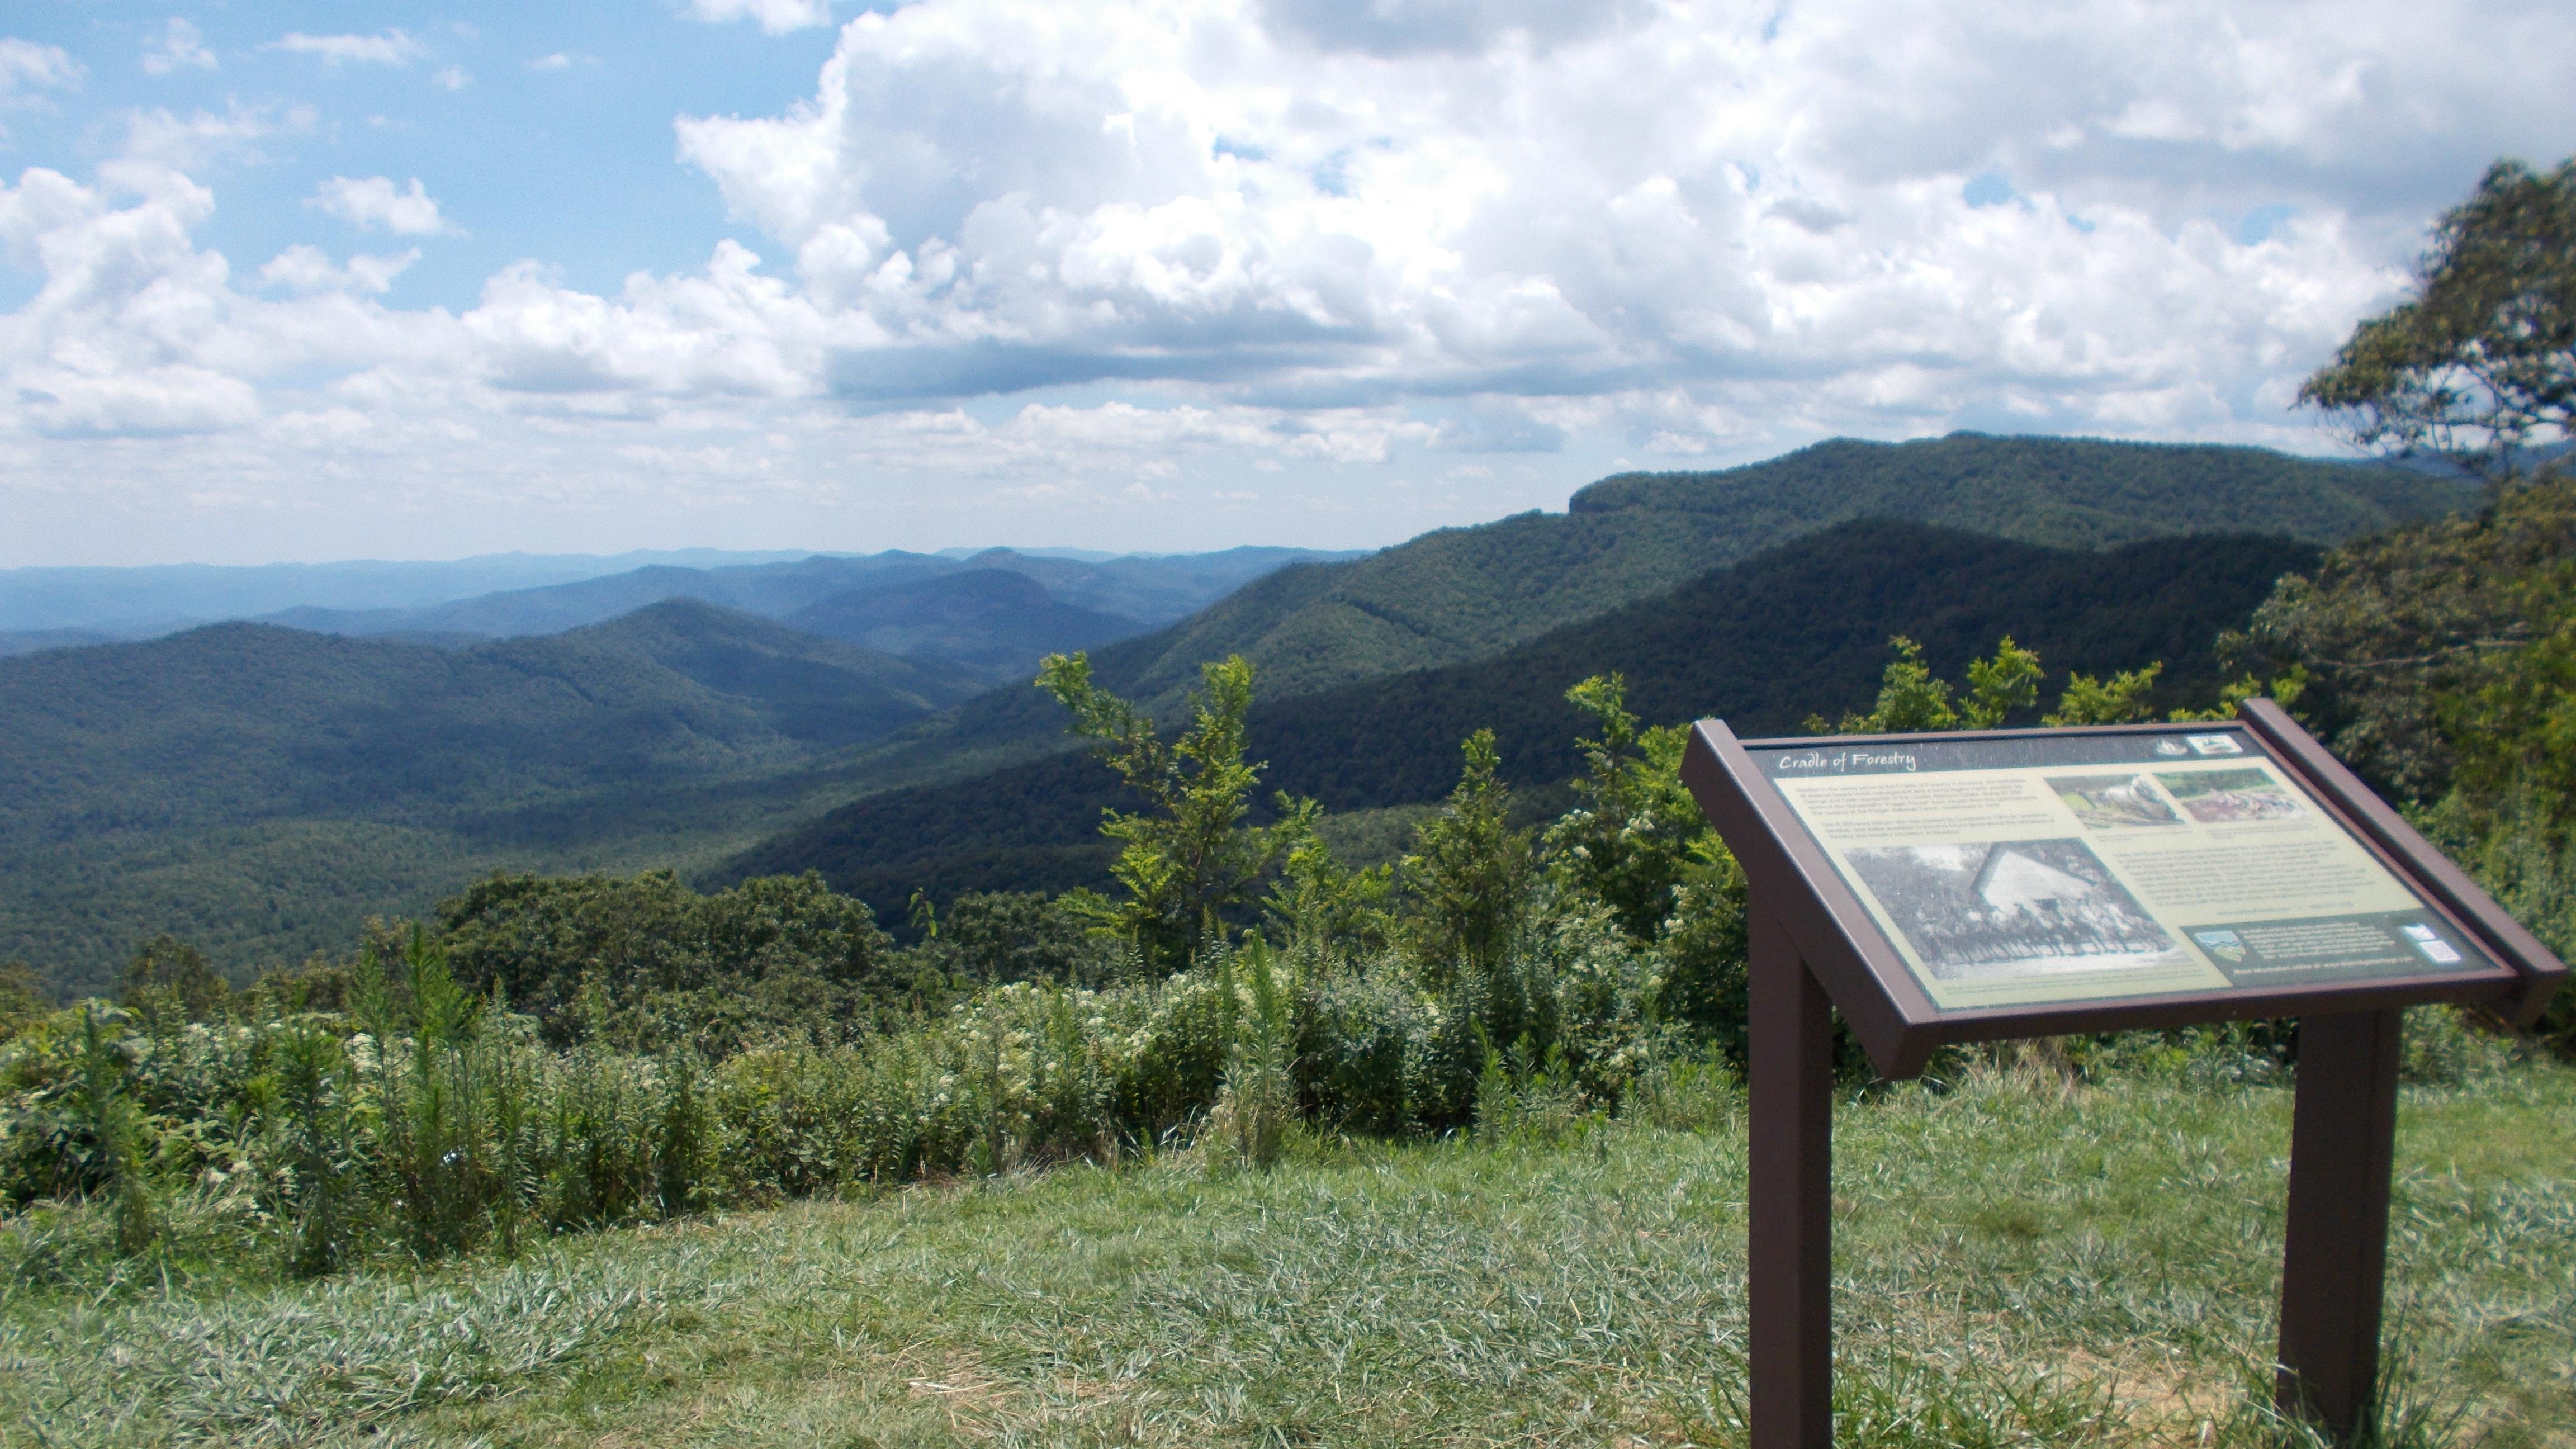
(1790, 1207)
(2343, 1135)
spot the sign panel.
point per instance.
(2065, 867)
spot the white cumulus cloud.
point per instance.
(1371, 260)
(371, 202)
(137, 333)
(308, 269)
(774, 17)
(159, 138)
(181, 46)
(1691, 214)
(26, 68)
(391, 48)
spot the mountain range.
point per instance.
(1461, 594)
(1137, 592)
(110, 603)
(260, 788)
(1797, 629)
(441, 603)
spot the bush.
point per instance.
(23, 1002)
(991, 938)
(2519, 850)
(651, 963)
(428, 1120)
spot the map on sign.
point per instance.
(2086, 867)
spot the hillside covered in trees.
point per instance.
(261, 789)
(992, 621)
(1136, 591)
(1796, 630)
(1457, 595)
(1460, 594)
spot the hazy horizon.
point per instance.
(645, 556)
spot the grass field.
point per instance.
(2019, 1262)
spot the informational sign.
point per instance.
(2067, 867)
(1979, 886)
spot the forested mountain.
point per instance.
(456, 602)
(1461, 594)
(992, 621)
(261, 788)
(1797, 629)
(2065, 492)
(1141, 590)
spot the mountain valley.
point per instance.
(1796, 629)
(260, 789)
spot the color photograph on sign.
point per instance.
(2094, 867)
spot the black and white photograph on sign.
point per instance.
(2018, 908)
(2114, 802)
(2223, 797)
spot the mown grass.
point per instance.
(2020, 1262)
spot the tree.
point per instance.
(1187, 863)
(2420, 640)
(654, 961)
(1640, 846)
(171, 981)
(1467, 878)
(2121, 699)
(2481, 362)
(1910, 699)
(2444, 652)
(1629, 845)
(23, 999)
(1004, 936)
(1317, 902)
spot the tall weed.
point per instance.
(105, 1113)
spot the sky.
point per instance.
(289, 281)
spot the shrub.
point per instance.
(171, 982)
(1004, 936)
(771, 958)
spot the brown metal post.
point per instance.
(2343, 1137)
(1790, 1197)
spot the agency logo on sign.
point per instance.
(2435, 949)
(2225, 945)
(2215, 744)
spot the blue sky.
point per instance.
(312, 282)
(541, 130)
